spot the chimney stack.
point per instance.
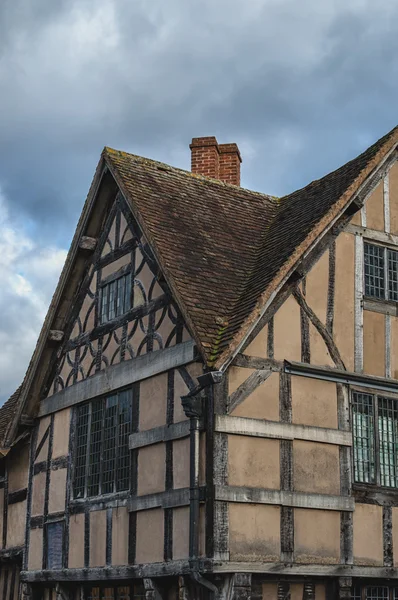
(218, 161)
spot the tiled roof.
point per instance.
(223, 249)
(7, 412)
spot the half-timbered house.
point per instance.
(211, 410)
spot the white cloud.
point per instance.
(28, 275)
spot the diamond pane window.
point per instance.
(381, 272)
(115, 298)
(102, 457)
(375, 439)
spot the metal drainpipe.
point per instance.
(194, 489)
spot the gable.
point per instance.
(123, 310)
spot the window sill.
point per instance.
(371, 493)
(105, 499)
(386, 307)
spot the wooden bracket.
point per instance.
(55, 336)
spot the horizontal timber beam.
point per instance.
(164, 433)
(305, 570)
(281, 431)
(340, 376)
(167, 499)
(175, 567)
(256, 362)
(380, 306)
(373, 234)
(120, 375)
(229, 493)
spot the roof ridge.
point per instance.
(172, 169)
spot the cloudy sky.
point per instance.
(302, 87)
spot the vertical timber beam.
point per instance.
(358, 305)
(286, 470)
(220, 523)
(305, 329)
(346, 522)
(241, 586)
(387, 537)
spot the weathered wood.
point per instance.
(139, 571)
(358, 299)
(246, 388)
(163, 433)
(388, 560)
(319, 326)
(310, 570)
(243, 494)
(167, 499)
(283, 431)
(87, 243)
(339, 376)
(373, 234)
(55, 335)
(120, 375)
(331, 287)
(17, 496)
(384, 307)
(256, 362)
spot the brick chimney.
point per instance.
(219, 161)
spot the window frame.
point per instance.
(377, 396)
(123, 273)
(360, 591)
(86, 496)
(387, 279)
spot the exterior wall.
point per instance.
(284, 432)
(104, 531)
(153, 322)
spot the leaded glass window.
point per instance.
(55, 545)
(115, 298)
(102, 458)
(381, 272)
(375, 437)
(120, 592)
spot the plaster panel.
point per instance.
(314, 402)
(151, 469)
(181, 533)
(270, 591)
(296, 591)
(258, 347)
(287, 331)
(153, 402)
(344, 297)
(393, 180)
(76, 541)
(320, 592)
(97, 538)
(16, 519)
(56, 500)
(180, 389)
(368, 534)
(61, 433)
(18, 468)
(115, 266)
(38, 491)
(263, 403)
(35, 560)
(317, 281)
(316, 536)
(394, 347)
(373, 343)
(120, 535)
(43, 425)
(319, 354)
(253, 462)
(181, 449)
(150, 536)
(254, 531)
(375, 209)
(310, 463)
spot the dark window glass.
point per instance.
(102, 457)
(375, 426)
(374, 271)
(115, 298)
(55, 545)
(392, 275)
(128, 592)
